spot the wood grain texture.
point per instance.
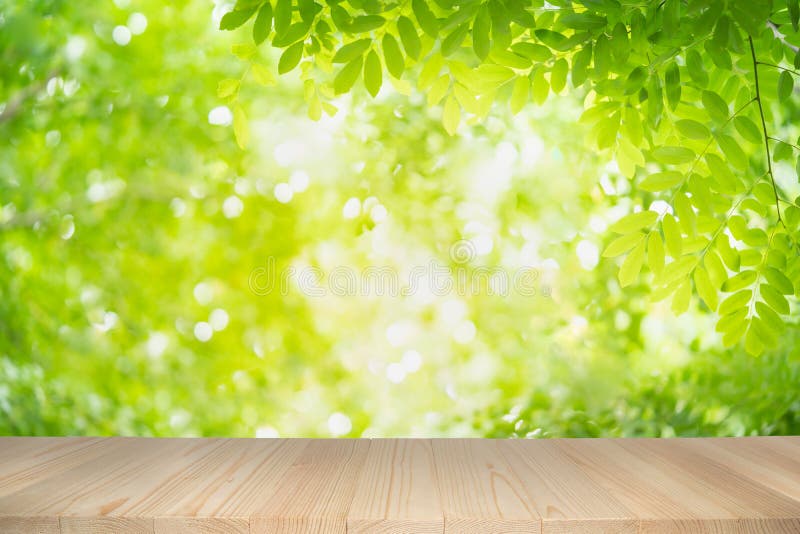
(315, 493)
(397, 491)
(480, 491)
(243, 486)
(565, 497)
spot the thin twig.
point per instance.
(764, 128)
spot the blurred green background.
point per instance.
(132, 229)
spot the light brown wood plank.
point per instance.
(93, 484)
(480, 493)
(751, 502)
(243, 486)
(26, 461)
(563, 495)
(668, 498)
(115, 499)
(315, 493)
(229, 484)
(397, 491)
(771, 461)
(11, 524)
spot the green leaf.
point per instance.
(705, 288)
(635, 80)
(716, 270)
(752, 341)
(553, 39)
(583, 21)
(308, 9)
(628, 157)
(283, 15)
(451, 115)
(681, 298)
(425, 17)
(395, 63)
(509, 59)
(294, 33)
(532, 51)
(240, 130)
(430, 71)
(481, 29)
(770, 317)
(655, 253)
(672, 85)
(262, 75)
(672, 235)
(438, 90)
(622, 244)
(489, 77)
(692, 129)
(620, 48)
(655, 99)
(673, 155)
(794, 13)
(373, 73)
(348, 76)
(341, 18)
(661, 181)
(733, 151)
(694, 64)
(716, 106)
(785, 86)
(519, 94)
(779, 281)
(739, 281)
(678, 269)
(632, 265)
(409, 37)
(235, 18)
(558, 75)
(580, 65)
(227, 88)
(774, 298)
(263, 25)
(747, 129)
(540, 87)
(766, 335)
(350, 51)
(634, 221)
(735, 301)
(366, 23)
(290, 58)
(453, 41)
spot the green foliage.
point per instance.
(672, 92)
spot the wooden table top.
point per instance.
(133, 485)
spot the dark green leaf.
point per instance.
(395, 63)
(409, 37)
(481, 29)
(263, 25)
(290, 58)
(235, 18)
(425, 17)
(350, 51)
(785, 86)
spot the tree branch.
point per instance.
(774, 27)
(764, 128)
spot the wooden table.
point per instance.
(137, 485)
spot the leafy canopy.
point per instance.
(681, 93)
